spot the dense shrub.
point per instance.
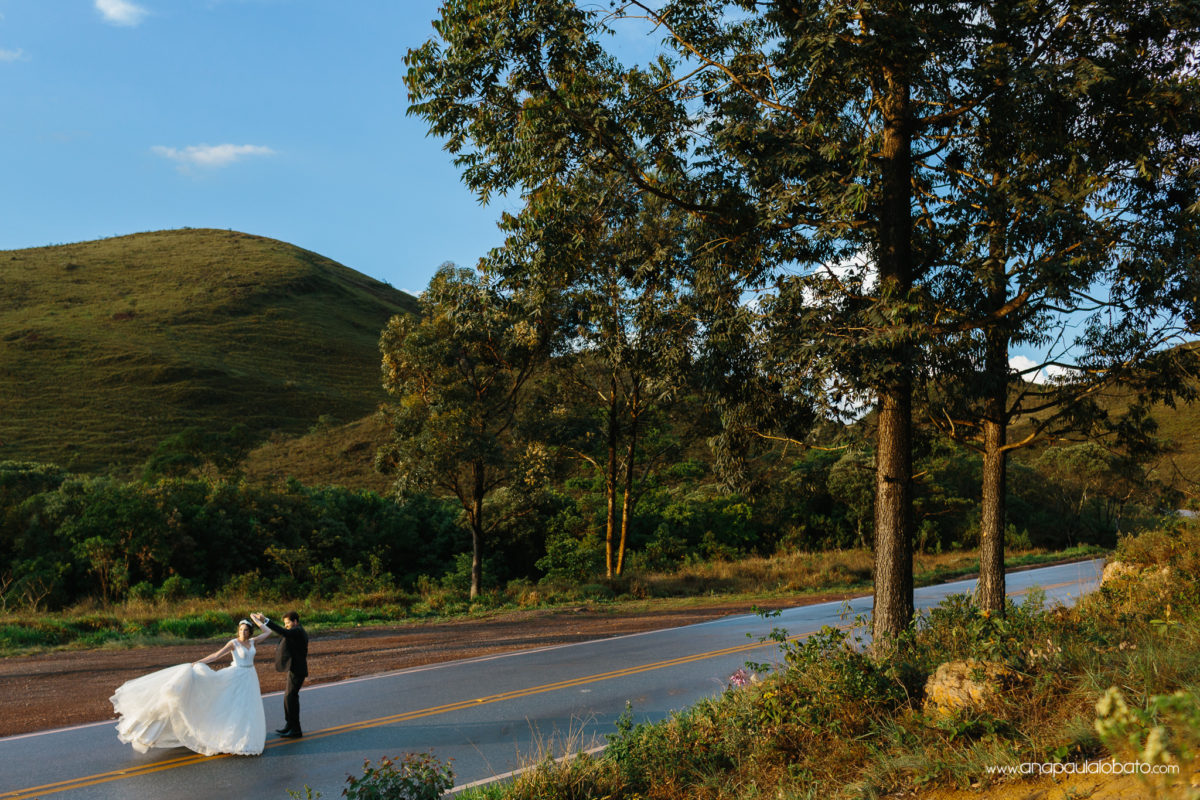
(66, 538)
(79, 538)
(210, 623)
(413, 776)
(572, 559)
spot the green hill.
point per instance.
(108, 347)
(1178, 428)
(330, 455)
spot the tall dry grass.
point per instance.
(831, 570)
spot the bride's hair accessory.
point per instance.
(247, 623)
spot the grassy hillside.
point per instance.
(107, 347)
(329, 455)
(1181, 467)
(1178, 427)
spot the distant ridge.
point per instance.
(108, 347)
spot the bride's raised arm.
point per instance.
(222, 652)
(260, 621)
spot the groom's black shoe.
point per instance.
(282, 731)
(291, 735)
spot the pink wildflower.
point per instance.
(740, 678)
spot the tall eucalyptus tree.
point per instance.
(1068, 193)
(606, 257)
(458, 374)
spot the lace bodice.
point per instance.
(243, 655)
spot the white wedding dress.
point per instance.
(193, 706)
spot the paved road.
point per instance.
(490, 715)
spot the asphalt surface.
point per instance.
(488, 716)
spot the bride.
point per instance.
(192, 706)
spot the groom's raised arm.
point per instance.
(262, 620)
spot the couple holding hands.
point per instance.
(210, 712)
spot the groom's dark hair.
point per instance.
(292, 615)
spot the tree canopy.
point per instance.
(859, 161)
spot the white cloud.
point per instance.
(121, 12)
(856, 267)
(1022, 363)
(12, 55)
(1034, 372)
(855, 273)
(1054, 371)
(205, 155)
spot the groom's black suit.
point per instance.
(292, 657)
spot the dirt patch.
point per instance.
(57, 689)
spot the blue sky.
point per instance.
(280, 118)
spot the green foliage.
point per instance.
(100, 538)
(851, 485)
(1165, 731)
(204, 626)
(414, 776)
(458, 579)
(68, 538)
(1176, 546)
(612, 276)
(670, 757)
(193, 449)
(570, 559)
(38, 634)
(832, 689)
(175, 588)
(958, 629)
(582, 777)
(20, 480)
(671, 527)
(1082, 483)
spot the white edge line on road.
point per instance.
(481, 659)
(16, 736)
(505, 775)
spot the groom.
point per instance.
(292, 657)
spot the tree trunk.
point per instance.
(990, 591)
(893, 602)
(893, 608)
(610, 479)
(478, 474)
(627, 500)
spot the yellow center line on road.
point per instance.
(549, 687)
(175, 763)
(105, 777)
(159, 766)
